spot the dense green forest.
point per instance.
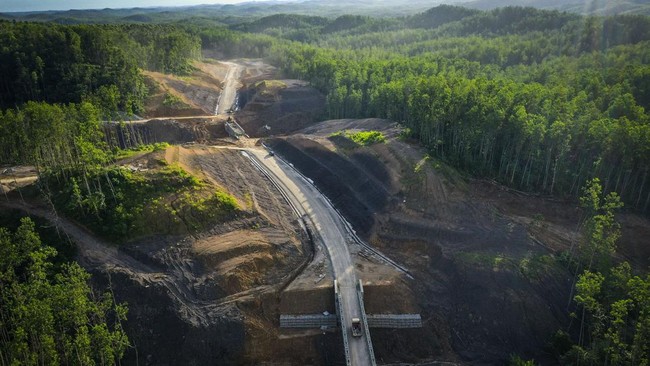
(541, 101)
(49, 315)
(68, 64)
(538, 100)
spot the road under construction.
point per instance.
(331, 229)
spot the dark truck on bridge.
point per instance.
(356, 327)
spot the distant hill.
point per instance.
(225, 13)
(593, 7)
(293, 21)
(439, 15)
(327, 8)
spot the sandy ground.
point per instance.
(13, 177)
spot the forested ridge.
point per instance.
(541, 101)
(64, 64)
(49, 315)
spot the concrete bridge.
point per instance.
(327, 321)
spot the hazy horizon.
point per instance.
(8, 6)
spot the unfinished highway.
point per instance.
(307, 200)
(331, 227)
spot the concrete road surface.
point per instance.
(329, 224)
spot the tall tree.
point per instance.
(49, 315)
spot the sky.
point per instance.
(39, 5)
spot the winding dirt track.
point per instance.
(91, 249)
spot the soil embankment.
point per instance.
(277, 107)
(171, 95)
(485, 287)
(173, 131)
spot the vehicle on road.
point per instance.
(356, 327)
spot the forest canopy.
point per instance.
(49, 315)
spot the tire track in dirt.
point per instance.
(95, 254)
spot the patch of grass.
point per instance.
(365, 138)
(405, 134)
(496, 262)
(451, 175)
(271, 84)
(173, 101)
(360, 138)
(269, 88)
(420, 164)
(532, 266)
(537, 265)
(248, 198)
(413, 178)
(177, 177)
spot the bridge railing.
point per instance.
(399, 321)
(344, 332)
(364, 319)
(308, 321)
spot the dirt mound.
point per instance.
(484, 287)
(243, 259)
(276, 107)
(171, 95)
(359, 195)
(165, 130)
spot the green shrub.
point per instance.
(365, 138)
(173, 101)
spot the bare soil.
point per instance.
(199, 299)
(487, 279)
(277, 107)
(198, 93)
(173, 131)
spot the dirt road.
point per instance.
(164, 119)
(329, 224)
(230, 85)
(91, 248)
